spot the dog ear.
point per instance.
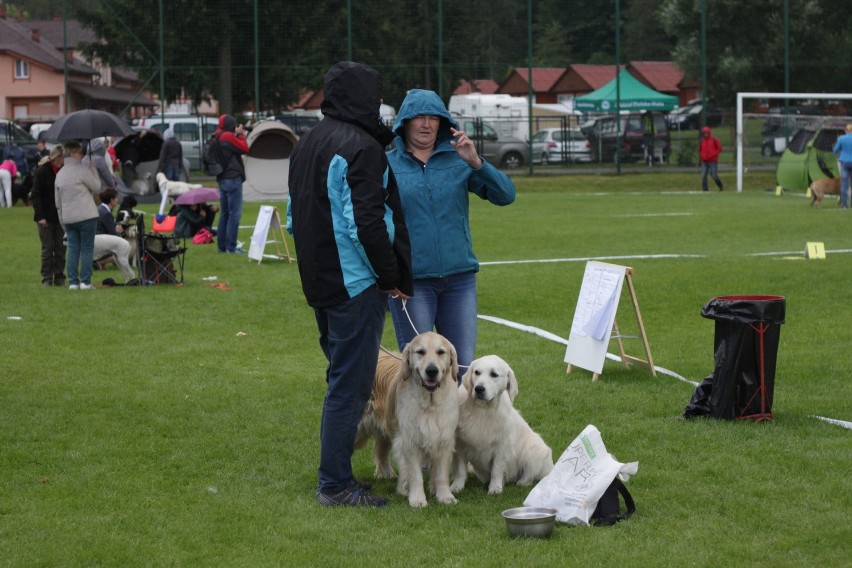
(405, 367)
(467, 378)
(513, 384)
(454, 361)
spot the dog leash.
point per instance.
(414, 327)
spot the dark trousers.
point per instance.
(52, 254)
(350, 334)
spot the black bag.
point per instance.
(211, 157)
(608, 512)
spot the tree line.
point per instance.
(210, 48)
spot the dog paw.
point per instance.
(417, 501)
(495, 489)
(446, 498)
(457, 486)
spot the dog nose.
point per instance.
(431, 371)
(479, 389)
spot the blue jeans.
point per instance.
(445, 305)
(81, 249)
(172, 172)
(845, 183)
(711, 168)
(350, 334)
(230, 212)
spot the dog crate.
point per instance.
(161, 256)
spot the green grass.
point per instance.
(179, 426)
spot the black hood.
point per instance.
(353, 93)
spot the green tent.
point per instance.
(634, 96)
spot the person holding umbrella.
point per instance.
(194, 213)
(77, 187)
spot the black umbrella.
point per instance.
(138, 148)
(86, 125)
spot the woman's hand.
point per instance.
(466, 148)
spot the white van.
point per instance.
(192, 131)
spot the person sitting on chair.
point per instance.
(109, 246)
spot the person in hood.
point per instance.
(171, 156)
(709, 149)
(437, 169)
(232, 143)
(97, 156)
(353, 251)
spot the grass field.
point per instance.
(178, 426)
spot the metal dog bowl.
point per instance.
(536, 522)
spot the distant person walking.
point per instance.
(709, 149)
(843, 149)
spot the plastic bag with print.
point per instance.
(579, 479)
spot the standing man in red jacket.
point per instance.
(709, 149)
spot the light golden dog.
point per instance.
(822, 187)
(413, 413)
(492, 435)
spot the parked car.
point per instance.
(299, 121)
(602, 133)
(500, 150)
(560, 145)
(781, 120)
(689, 117)
(192, 131)
(11, 132)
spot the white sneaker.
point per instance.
(86, 286)
(74, 287)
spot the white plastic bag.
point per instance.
(579, 479)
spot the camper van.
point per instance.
(505, 113)
(192, 131)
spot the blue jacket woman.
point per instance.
(437, 169)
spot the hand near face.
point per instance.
(466, 148)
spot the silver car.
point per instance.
(552, 145)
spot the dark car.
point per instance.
(689, 117)
(12, 133)
(499, 149)
(636, 129)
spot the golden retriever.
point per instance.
(414, 412)
(822, 187)
(492, 435)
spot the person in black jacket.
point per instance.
(353, 250)
(171, 156)
(50, 231)
(231, 138)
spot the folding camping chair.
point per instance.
(161, 256)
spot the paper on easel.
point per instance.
(598, 303)
(261, 230)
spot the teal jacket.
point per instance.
(435, 198)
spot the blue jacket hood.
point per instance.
(419, 102)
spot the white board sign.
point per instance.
(261, 230)
(594, 315)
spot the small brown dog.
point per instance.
(822, 187)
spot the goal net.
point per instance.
(766, 127)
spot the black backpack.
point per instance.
(211, 157)
(608, 512)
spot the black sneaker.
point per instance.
(355, 495)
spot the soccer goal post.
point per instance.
(740, 133)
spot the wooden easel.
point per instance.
(267, 218)
(589, 354)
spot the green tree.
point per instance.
(745, 45)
